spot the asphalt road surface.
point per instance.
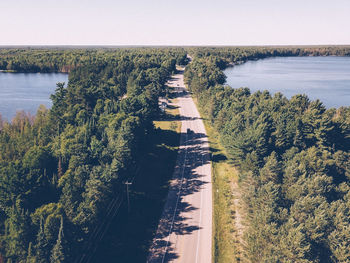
(185, 229)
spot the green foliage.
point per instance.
(58, 251)
(293, 156)
(71, 161)
(41, 244)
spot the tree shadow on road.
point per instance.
(186, 182)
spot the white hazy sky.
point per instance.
(176, 22)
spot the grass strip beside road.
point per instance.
(130, 235)
(226, 247)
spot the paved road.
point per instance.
(185, 229)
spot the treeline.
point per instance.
(31, 60)
(60, 169)
(226, 56)
(294, 161)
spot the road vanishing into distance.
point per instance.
(185, 228)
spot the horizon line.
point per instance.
(168, 45)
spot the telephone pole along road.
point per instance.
(185, 228)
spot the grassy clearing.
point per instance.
(130, 235)
(170, 120)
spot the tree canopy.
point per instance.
(61, 168)
(293, 156)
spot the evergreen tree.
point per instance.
(58, 251)
(41, 244)
(271, 170)
(30, 257)
(299, 138)
(17, 231)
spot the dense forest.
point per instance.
(293, 156)
(65, 59)
(60, 169)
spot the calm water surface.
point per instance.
(324, 78)
(26, 91)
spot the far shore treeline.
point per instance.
(60, 169)
(64, 59)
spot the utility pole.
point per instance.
(127, 193)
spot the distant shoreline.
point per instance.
(29, 72)
(232, 64)
(7, 71)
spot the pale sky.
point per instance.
(176, 22)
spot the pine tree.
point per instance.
(57, 253)
(59, 169)
(30, 257)
(42, 245)
(299, 138)
(16, 237)
(294, 245)
(271, 170)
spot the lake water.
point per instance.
(324, 78)
(26, 91)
